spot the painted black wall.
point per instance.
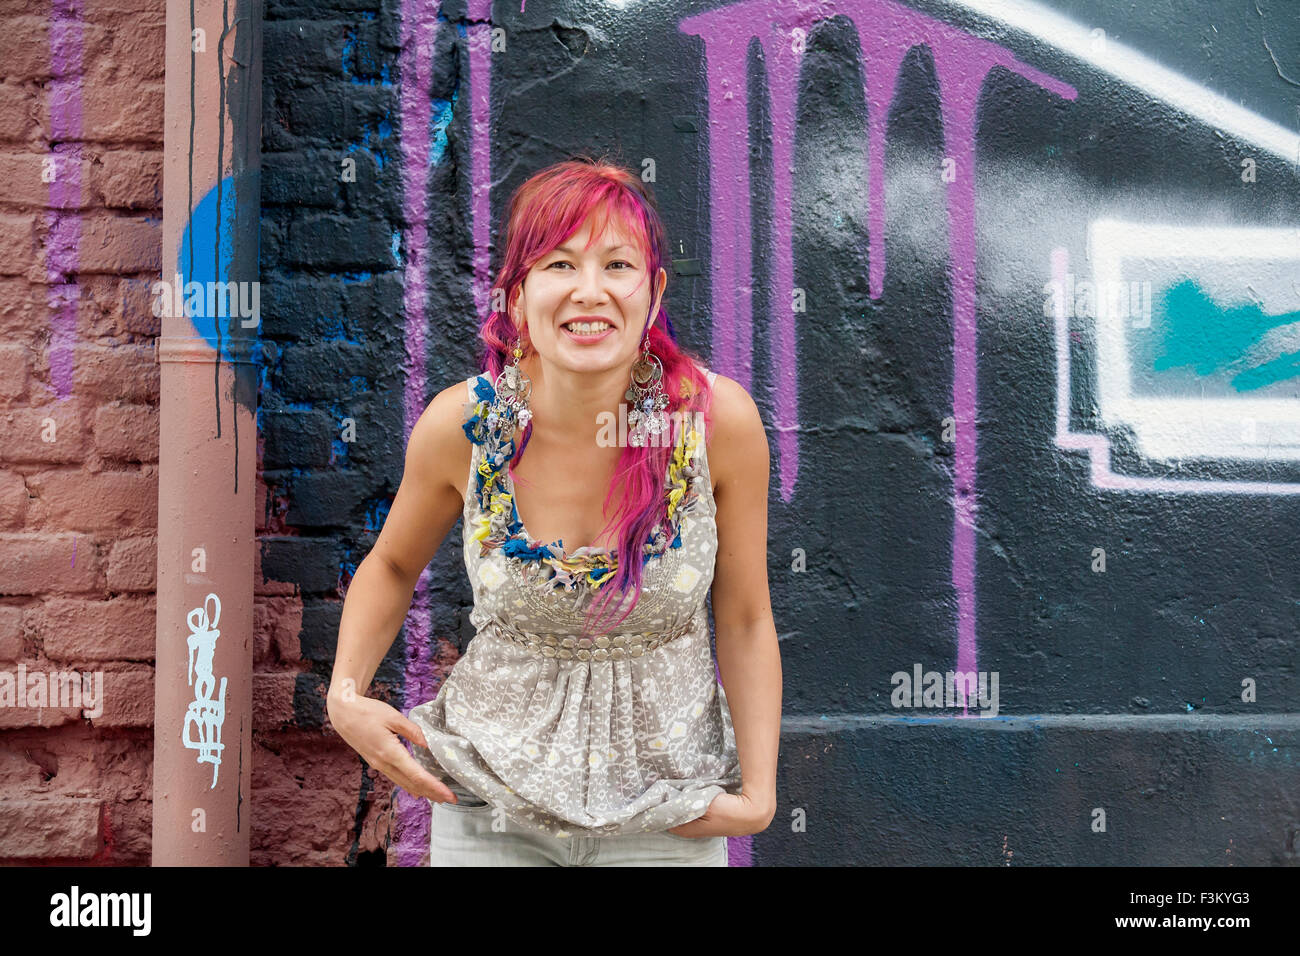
(1120, 690)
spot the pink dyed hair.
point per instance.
(547, 209)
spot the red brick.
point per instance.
(259, 504)
(276, 624)
(131, 824)
(122, 629)
(107, 501)
(125, 372)
(287, 616)
(128, 699)
(102, 63)
(307, 825)
(24, 177)
(25, 47)
(111, 417)
(273, 700)
(101, 374)
(262, 636)
(129, 110)
(127, 432)
(99, 311)
(106, 11)
(127, 179)
(22, 718)
(16, 362)
(306, 822)
(119, 244)
(135, 306)
(18, 682)
(48, 564)
(114, 767)
(24, 309)
(41, 683)
(141, 46)
(13, 500)
(11, 633)
(28, 433)
(132, 564)
(18, 240)
(20, 108)
(50, 828)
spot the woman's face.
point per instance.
(605, 286)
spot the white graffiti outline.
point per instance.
(204, 712)
(1156, 419)
(1140, 71)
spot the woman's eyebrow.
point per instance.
(609, 249)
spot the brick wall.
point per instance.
(79, 402)
(332, 295)
(81, 103)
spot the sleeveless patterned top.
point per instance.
(625, 733)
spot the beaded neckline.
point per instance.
(497, 523)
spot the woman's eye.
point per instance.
(616, 262)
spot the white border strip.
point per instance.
(1140, 71)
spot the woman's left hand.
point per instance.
(729, 814)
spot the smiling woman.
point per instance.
(585, 711)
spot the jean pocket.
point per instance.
(466, 804)
(678, 836)
(467, 801)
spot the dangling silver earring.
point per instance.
(512, 390)
(646, 419)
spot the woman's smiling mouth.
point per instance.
(583, 330)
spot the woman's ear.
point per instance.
(661, 281)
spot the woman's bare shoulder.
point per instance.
(732, 408)
(432, 491)
(438, 447)
(737, 431)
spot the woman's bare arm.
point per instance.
(749, 660)
(427, 504)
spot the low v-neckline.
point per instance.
(499, 525)
(560, 551)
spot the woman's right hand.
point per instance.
(372, 728)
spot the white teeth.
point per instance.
(585, 328)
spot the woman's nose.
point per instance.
(589, 285)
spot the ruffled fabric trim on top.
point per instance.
(497, 523)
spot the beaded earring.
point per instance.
(646, 419)
(512, 390)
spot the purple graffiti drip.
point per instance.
(886, 32)
(419, 32)
(63, 229)
(480, 66)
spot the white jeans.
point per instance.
(461, 834)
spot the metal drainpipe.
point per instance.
(207, 456)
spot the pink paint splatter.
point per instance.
(63, 221)
(886, 32)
